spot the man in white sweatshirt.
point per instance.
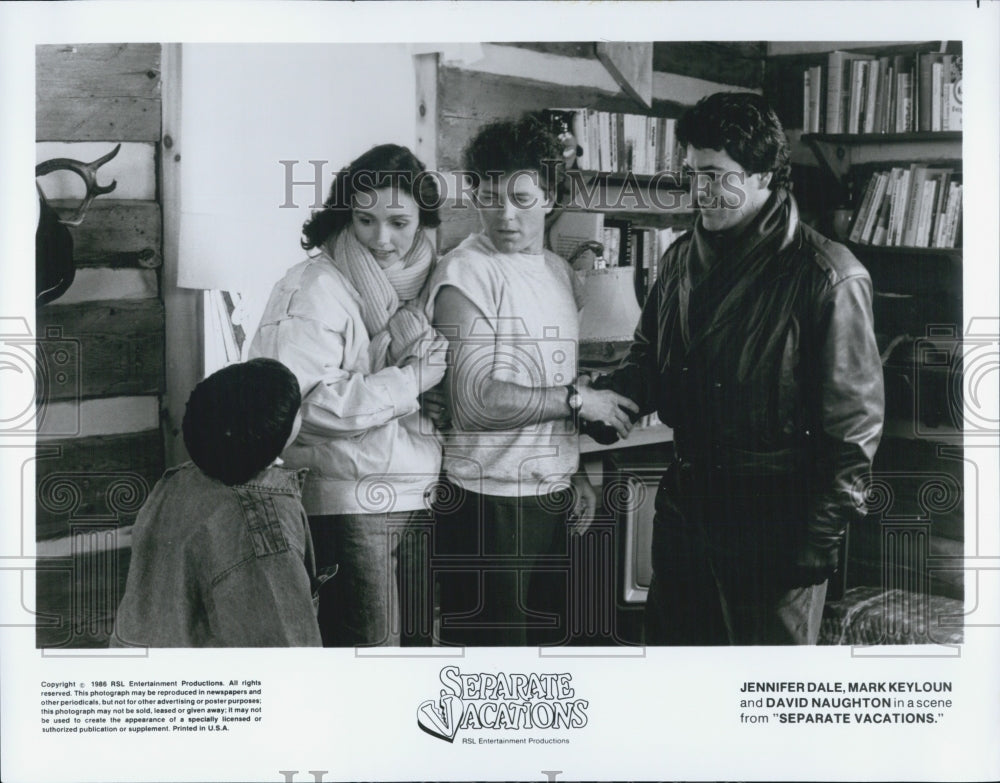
(509, 308)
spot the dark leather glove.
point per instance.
(815, 564)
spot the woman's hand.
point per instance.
(584, 501)
(430, 366)
(434, 404)
(606, 406)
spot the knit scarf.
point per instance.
(743, 287)
(392, 306)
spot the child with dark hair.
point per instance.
(221, 553)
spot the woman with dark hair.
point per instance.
(350, 322)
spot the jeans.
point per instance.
(381, 592)
(502, 568)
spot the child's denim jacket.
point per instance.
(221, 566)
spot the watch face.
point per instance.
(575, 401)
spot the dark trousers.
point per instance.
(380, 594)
(502, 568)
(722, 564)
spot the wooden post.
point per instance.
(184, 307)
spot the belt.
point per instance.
(739, 461)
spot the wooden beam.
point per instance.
(117, 234)
(96, 119)
(92, 284)
(94, 92)
(426, 68)
(736, 63)
(119, 347)
(97, 71)
(631, 65)
(739, 63)
(109, 416)
(559, 71)
(582, 49)
(76, 597)
(104, 479)
(185, 329)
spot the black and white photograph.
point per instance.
(440, 391)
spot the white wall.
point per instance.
(244, 108)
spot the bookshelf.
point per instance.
(917, 288)
(917, 303)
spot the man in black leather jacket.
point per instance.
(757, 347)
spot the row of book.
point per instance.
(619, 143)
(861, 93)
(638, 246)
(919, 206)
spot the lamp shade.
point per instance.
(610, 310)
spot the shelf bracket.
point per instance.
(833, 158)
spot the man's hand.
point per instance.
(815, 564)
(434, 405)
(606, 406)
(584, 501)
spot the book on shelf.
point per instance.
(656, 241)
(951, 87)
(838, 73)
(617, 236)
(881, 97)
(902, 185)
(813, 99)
(924, 220)
(918, 174)
(860, 214)
(857, 93)
(859, 69)
(935, 96)
(871, 95)
(951, 228)
(881, 231)
(808, 97)
(942, 179)
(619, 143)
(881, 185)
(908, 207)
(904, 105)
(925, 90)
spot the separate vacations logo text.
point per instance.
(501, 701)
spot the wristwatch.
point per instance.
(574, 401)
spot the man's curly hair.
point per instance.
(746, 127)
(509, 146)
